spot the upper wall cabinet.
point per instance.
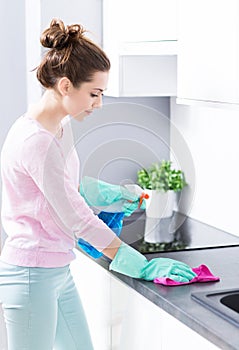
(208, 52)
(140, 39)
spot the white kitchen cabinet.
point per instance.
(119, 308)
(146, 326)
(93, 284)
(141, 41)
(208, 52)
(141, 324)
(122, 319)
(119, 318)
(178, 336)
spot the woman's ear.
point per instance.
(64, 85)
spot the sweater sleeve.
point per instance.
(43, 161)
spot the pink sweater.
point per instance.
(42, 211)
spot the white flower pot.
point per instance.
(160, 204)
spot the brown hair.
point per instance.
(70, 55)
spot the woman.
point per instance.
(42, 211)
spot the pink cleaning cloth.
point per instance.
(203, 275)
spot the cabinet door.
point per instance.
(140, 40)
(136, 20)
(178, 336)
(121, 319)
(141, 324)
(93, 284)
(119, 301)
(208, 50)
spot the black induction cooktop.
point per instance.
(149, 235)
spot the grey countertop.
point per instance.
(177, 301)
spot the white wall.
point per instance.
(13, 86)
(212, 136)
(12, 63)
(13, 66)
(87, 13)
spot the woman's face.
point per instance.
(80, 102)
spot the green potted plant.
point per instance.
(161, 182)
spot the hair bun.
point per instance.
(75, 31)
(57, 36)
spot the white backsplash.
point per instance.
(212, 136)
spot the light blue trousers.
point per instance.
(42, 309)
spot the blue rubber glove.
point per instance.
(98, 193)
(113, 221)
(130, 262)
